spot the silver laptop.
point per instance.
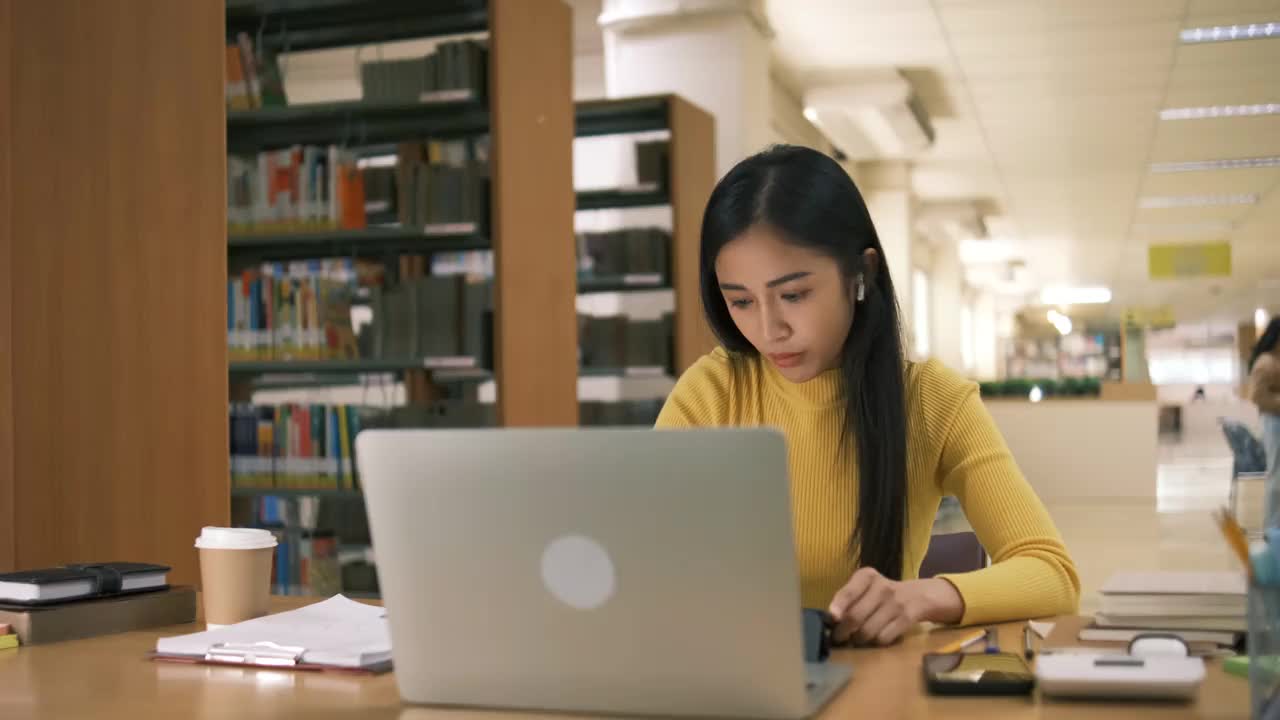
(616, 571)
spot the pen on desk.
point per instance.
(1027, 650)
(963, 643)
(993, 641)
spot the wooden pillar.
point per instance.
(7, 497)
(536, 330)
(693, 175)
(113, 388)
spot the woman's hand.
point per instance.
(874, 610)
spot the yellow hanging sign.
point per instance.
(1189, 260)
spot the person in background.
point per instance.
(1264, 391)
(796, 287)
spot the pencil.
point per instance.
(963, 643)
(1234, 534)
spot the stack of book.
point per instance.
(253, 76)
(617, 341)
(635, 251)
(429, 317)
(297, 189)
(619, 413)
(293, 446)
(306, 563)
(456, 70)
(292, 311)
(442, 187)
(1200, 607)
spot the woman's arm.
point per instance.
(1031, 573)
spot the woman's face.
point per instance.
(792, 303)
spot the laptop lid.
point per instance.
(609, 570)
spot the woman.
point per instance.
(795, 286)
(1264, 391)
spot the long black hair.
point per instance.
(811, 201)
(1267, 343)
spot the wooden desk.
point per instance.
(110, 678)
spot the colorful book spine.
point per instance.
(304, 188)
(293, 446)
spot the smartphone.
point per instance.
(977, 674)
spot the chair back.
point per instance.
(953, 553)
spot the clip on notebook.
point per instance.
(263, 653)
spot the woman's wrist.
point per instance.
(941, 601)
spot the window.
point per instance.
(966, 337)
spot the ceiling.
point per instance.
(1046, 113)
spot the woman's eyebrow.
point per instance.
(772, 283)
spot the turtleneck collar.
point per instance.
(825, 390)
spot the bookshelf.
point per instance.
(527, 205)
(642, 196)
(257, 247)
(524, 111)
(690, 178)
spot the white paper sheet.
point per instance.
(338, 632)
(1041, 628)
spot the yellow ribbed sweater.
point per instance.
(953, 448)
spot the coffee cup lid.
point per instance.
(223, 538)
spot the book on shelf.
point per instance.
(631, 251)
(294, 446)
(303, 188)
(653, 162)
(454, 70)
(253, 78)
(619, 412)
(306, 562)
(292, 311)
(442, 186)
(433, 316)
(616, 341)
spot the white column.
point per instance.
(886, 187)
(946, 277)
(986, 339)
(715, 53)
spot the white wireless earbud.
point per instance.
(862, 289)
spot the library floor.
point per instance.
(1177, 532)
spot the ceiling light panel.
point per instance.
(1224, 164)
(1184, 229)
(1227, 33)
(1208, 112)
(1154, 202)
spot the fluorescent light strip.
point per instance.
(1228, 164)
(1208, 227)
(1176, 201)
(1219, 111)
(1227, 33)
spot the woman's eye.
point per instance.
(740, 304)
(795, 296)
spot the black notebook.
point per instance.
(73, 582)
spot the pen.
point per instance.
(993, 641)
(963, 643)
(1235, 537)
(1027, 649)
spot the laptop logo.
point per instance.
(578, 572)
